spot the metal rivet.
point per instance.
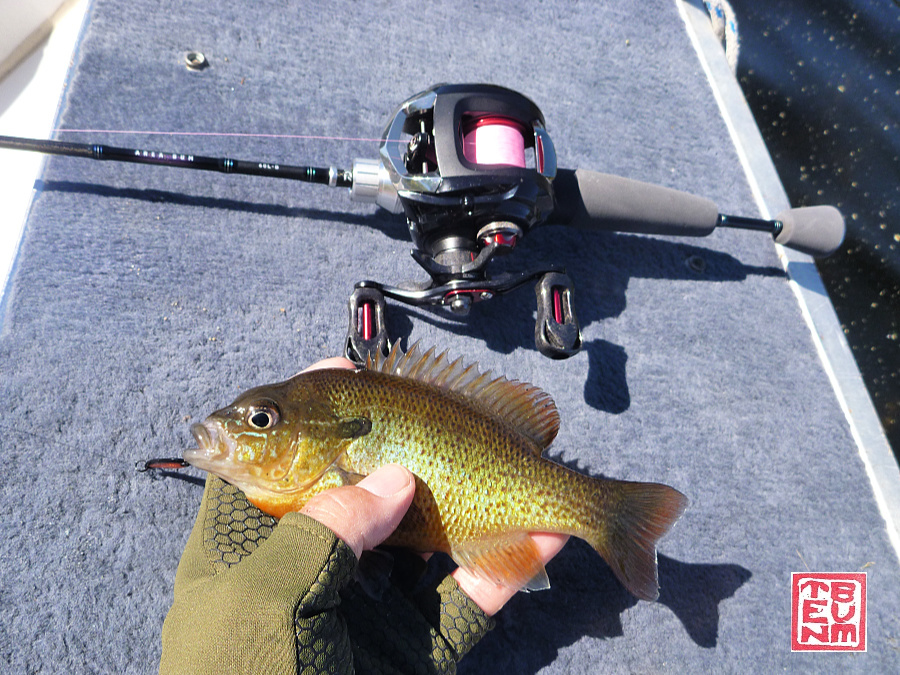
(195, 60)
(460, 304)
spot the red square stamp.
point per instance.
(828, 612)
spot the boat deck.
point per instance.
(143, 298)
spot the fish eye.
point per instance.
(262, 417)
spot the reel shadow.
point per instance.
(600, 268)
(601, 273)
(606, 385)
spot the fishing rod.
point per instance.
(473, 169)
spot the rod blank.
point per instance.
(308, 174)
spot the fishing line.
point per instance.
(163, 466)
(139, 132)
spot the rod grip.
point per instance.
(600, 201)
(816, 230)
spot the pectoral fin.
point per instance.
(353, 427)
(325, 425)
(319, 447)
(511, 560)
(319, 421)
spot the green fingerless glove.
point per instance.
(254, 595)
(244, 585)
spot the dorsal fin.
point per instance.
(526, 408)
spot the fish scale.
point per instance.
(473, 442)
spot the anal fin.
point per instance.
(511, 560)
(539, 582)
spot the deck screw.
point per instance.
(195, 60)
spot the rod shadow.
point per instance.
(392, 226)
(600, 264)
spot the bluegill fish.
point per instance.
(474, 443)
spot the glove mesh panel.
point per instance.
(322, 642)
(233, 527)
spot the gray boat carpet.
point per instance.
(143, 298)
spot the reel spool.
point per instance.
(463, 158)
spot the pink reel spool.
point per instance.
(494, 140)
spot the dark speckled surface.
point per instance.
(823, 80)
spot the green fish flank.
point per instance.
(474, 443)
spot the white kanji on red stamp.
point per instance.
(828, 612)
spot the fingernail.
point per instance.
(386, 481)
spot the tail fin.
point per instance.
(635, 517)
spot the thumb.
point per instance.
(365, 514)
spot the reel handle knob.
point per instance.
(556, 331)
(367, 332)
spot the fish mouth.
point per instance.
(202, 435)
(213, 448)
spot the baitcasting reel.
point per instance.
(471, 166)
(473, 169)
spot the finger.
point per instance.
(490, 596)
(365, 514)
(332, 362)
